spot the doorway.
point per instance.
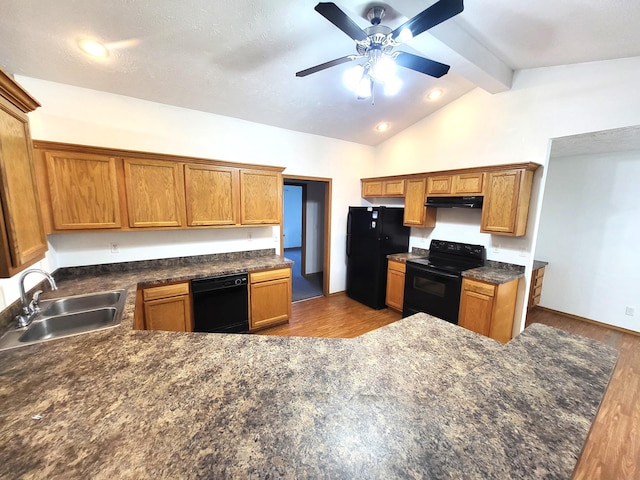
(305, 234)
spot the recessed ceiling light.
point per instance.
(434, 94)
(93, 48)
(382, 127)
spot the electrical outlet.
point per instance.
(114, 247)
(523, 252)
(249, 236)
(629, 311)
(496, 249)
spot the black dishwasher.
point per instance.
(221, 304)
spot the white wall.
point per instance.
(589, 231)
(77, 115)
(292, 216)
(512, 127)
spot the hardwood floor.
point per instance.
(336, 316)
(612, 450)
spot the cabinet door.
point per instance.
(468, 184)
(393, 188)
(499, 211)
(440, 185)
(395, 285)
(211, 195)
(84, 191)
(270, 298)
(371, 188)
(23, 239)
(168, 307)
(155, 193)
(171, 314)
(260, 197)
(476, 306)
(415, 213)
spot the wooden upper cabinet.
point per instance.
(506, 202)
(394, 187)
(260, 197)
(23, 241)
(415, 213)
(460, 184)
(83, 191)
(440, 185)
(155, 193)
(468, 184)
(212, 195)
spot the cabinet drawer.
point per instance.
(479, 287)
(397, 266)
(538, 274)
(256, 277)
(164, 291)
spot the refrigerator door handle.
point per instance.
(348, 246)
(348, 223)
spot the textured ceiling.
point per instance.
(239, 58)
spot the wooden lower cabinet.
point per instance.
(488, 308)
(536, 287)
(167, 307)
(269, 298)
(395, 284)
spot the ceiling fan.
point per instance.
(376, 44)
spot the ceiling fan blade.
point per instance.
(331, 12)
(322, 66)
(432, 16)
(422, 65)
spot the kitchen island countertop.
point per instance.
(417, 398)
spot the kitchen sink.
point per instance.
(68, 324)
(68, 316)
(60, 306)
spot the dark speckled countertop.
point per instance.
(420, 398)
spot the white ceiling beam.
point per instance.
(450, 43)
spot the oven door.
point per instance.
(433, 292)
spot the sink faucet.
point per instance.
(29, 310)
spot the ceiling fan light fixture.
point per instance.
(352, 77)
(404, 36)
(384, 69)
(392, 86)
(365, 87)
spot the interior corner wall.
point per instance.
(589, 231)
(83, 116)
(515, 126)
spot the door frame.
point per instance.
(303, 240)
(301, 180)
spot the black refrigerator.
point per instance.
(372, 234)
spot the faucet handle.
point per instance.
(34, 306)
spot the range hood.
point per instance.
(454, 202)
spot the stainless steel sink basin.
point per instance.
(68, 324)
(49, 308)
(67, 316)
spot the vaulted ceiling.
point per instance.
(239, 58)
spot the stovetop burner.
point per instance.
(452, 257)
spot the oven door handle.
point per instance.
(441, 274)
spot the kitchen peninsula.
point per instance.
(417, 398)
